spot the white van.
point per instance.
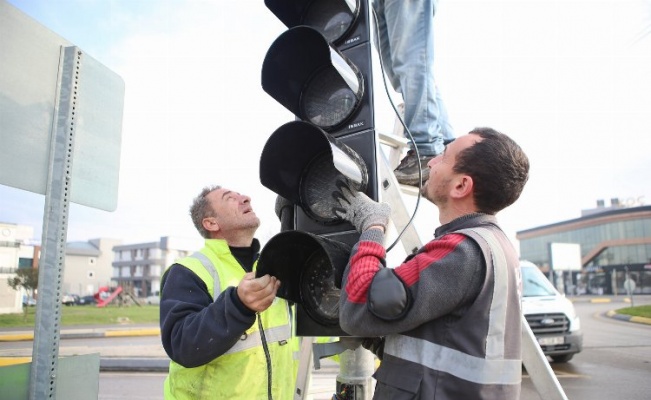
(550, 315)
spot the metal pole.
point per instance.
(629, 285)
(45, 352)
(354, 381)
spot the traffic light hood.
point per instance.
(302, 163)
(311, 79)
(335, 19)
(310, 270)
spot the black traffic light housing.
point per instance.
(304, 163)
(318, 83)
(320, 70)
(311, 272)
(344, 23)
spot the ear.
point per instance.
(210, 224)
(463, 187)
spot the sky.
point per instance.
(569, 80)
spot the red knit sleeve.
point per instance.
(435, 250)
(363, 266)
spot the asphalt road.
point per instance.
(615, 362)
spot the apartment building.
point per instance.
(139, 266)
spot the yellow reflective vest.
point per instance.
(242, 372)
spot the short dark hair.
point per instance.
(200, 209)
(498, 167)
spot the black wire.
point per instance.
(411, 138)
(266, 355)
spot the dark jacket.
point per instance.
(445, 337)
(189, 317)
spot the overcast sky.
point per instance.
(569, 80)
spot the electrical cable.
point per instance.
(411, 138)
(266, 355)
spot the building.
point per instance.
(615, 246)
(17, 250)
(139, 267)
(88, 266)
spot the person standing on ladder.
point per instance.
(446, 322)
(405, 43)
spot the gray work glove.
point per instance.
(358, 209)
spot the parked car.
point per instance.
(29, 301)
(550, 315)
(70, 299)
(87, 300)
(153, 299)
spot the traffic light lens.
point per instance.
(318, 291)
(332, 18)
(318, 185)
(327, 100)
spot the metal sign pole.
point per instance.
(55, 222)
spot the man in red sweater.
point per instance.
(448, 319)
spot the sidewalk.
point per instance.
(141, 358)
(119, 358)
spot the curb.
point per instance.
(81, 334)
(110, 364)
(107, 364)
(628, 318)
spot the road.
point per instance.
(615, 362)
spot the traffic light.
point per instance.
(320, 70)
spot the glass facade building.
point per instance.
(615, 250)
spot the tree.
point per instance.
(26, 278)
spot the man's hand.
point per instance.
(360, 210)
(257, 294)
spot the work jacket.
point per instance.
(244, 371)
(450, 314)
(482, 363)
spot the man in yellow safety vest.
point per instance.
(227, 334)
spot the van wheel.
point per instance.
(562, 358)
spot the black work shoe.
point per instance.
(407, 171)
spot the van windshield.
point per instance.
(534, 283)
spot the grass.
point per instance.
(639, 311)
(87, 315)
(112, 315)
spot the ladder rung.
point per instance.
(393, 141)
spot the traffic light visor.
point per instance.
(302, 163)
(311, 79)
(334, 19)
(310, 269)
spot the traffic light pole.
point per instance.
(356, 366)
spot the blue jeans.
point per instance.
(406, 46)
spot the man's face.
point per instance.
(232, 211)
(441, 175)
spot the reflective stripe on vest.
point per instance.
(497, 315)
(272, 335)
(254, 339)
(210, 267)
(457, 363)
(493, 369)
